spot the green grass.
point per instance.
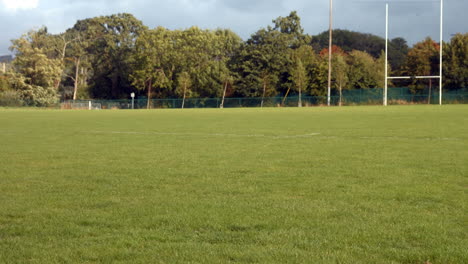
(376, 185)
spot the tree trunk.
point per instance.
(341, 95)
(150, 84)
(77, 73)
(264, 92)
(299, 104)
(285, 96)
(64, 50)
(224, 95)
(84, 72)
(430, 91)
(115, 80)
(183, 99)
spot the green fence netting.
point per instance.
(348, 97)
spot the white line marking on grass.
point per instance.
(316, 135)
(207, 134)
(415, 138)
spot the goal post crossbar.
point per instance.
(413, 77)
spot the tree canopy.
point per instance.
(109, 57)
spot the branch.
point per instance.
(71, 77)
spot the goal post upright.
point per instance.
(330, 54)
(385, 101)
(441, 48)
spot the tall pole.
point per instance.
(386, 56)
(330, 53)
(441, 48)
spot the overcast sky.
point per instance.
(412, 19)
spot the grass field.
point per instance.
(311, 185)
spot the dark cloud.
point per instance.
(413, 20)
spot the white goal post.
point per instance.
(89, 105)
(385, 100)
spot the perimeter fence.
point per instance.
(396, 96)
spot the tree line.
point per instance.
(109, 57)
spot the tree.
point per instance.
(320, 71)
(456, 62)
(184, 81)
(264, 61)
(303, 60)
(319, 77)
(423, 61)
(228, 80)
(112, 43)
(4, 85)
(76, 62)
(364, 72)
(397, 52)
(54, 47)
(36, 74)
(340, 74)
(299, 78)
(260, 63)
(371, 44)
(292, 28)
(152, 57)
(197, 52)
(229, 44)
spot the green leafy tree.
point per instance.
(264, 61)
(292, 28)
(261, 61)
(184, 83)
(397, 52)
(112, 43)
(228, 44)
(54, 47)
(35, 76)
(423, 61)
(153, 65)
(340, 74)
(77, 62)
(196, 55)
(364, 72)
(299, 78)
(205, 54)
(371, 44)
(319, 77)
(456, 62)
(228, 80)
(304, 60)
(4, 85)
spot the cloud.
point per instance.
(411, 19)
(14, 5)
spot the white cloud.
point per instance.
(20, 4)
(243, 16)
